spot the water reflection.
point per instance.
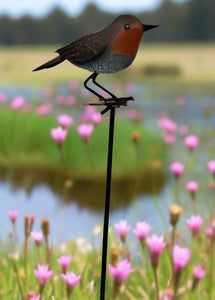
(85, 192)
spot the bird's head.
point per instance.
(129, 31)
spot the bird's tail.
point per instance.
(51, 63)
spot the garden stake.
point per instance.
(107, 203)
(111, 104)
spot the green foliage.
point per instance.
(25, 143)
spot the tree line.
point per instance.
(193, 20)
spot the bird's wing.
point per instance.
(85, 48)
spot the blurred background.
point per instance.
(172, 77)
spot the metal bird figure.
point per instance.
(109, 50)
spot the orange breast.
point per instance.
(127, 41)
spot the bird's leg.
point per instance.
(91, 90)
(94, 76)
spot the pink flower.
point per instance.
(43, 274)
(191, 141)
(183, 129)
(43, 109)
(211, 166)
(209, 232)
(180, 101)
(13, 215)
(168, 294)
(181, 256)
(122, 229)
(122, 270)
(65, 120)
(194, 223)
(96, 118)
(85, 131)
(199, 272)
(198, 275)
(168, 125)
(71, 280)
(177, 169)
(156, 246)
(64, 262)
(17, 102)
(60, 100)
(35, 297)
(169, 138)
(88, 113)
(3, 98)
(192, 187)
(38, 237)
(142, 230)
(70, 100)
(58, 134)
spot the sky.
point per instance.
(17, 8)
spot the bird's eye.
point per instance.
(127, 26)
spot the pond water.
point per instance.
(78, 216)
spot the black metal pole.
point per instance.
(107, 204)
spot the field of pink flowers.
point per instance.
(146, 261)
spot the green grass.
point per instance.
(195, 62)
(25, 143)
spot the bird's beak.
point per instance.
(149, 27)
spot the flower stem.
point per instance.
(172, 245)
(156, 284)
(89, 150)
(18, 281)
(26, 256)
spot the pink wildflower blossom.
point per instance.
(169, 138)
(38, 237)
(17, 102)
(211, 166)
(85, 131)
(192, 186)
(70, 100)
(58, 134)
(177, 169)
(65, 120)
(35, 297)
(199, 272)
(198, 275)
(96, 118)
(43, 109)
(209, 232)
(3, 98)
(122, 229)
(71, 280)
(191, 141)
(43, 274)
(13, 215)
(181, 256)
(64, 261)
(142, 230)
(194, 223)
(121, 271)
(156, 246)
